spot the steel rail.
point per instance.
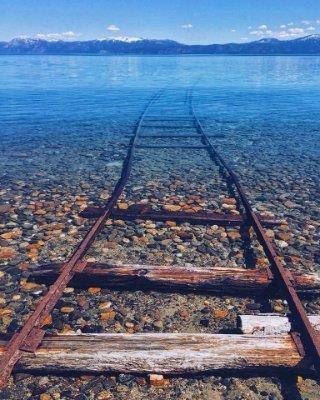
(309, 337)
(30, 335)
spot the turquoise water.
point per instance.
(36, 89)
(64, 125)
(56, 109)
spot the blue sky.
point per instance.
(189, 21)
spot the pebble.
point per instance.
(107, 316)
(157, 380)
(234, 235)
(270, 233)
(180, 247)
(7, 253)
(230, 200)
(220, 313)
(282, 244)
(123, 206)
(172, 207)
(204, 322)
(171, 224)
(106, 305)
(290, 204)
(278, 308)
(104, 395)
(66, 310)
(47, 320)
(94, 290)
(158, 325)
(4, 208)
(229, 206)
(45, 396)
(14, 234)
(68, 290)
(28, 286)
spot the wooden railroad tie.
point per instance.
(143, 212)
(219, 280)
(278, 345)
(264, 344)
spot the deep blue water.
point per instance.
(34, 89)
(45, 99)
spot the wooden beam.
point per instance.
(198, 218)
(208, 279)
(164, 353)
(270, 324)
(144, 212)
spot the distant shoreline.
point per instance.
(308, 45)
(159, 55)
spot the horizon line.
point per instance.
(133, 39)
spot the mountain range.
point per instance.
(308, 45)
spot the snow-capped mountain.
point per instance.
(135, 45)
(127, 39)
(314, 37)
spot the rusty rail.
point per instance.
(305, 335)
(31, 334)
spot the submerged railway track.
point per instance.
(296, 348)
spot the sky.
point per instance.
(187, 21)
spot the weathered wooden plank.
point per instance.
(173, 353)
(143, 212)
(228, 280)
(209, 279)
(270, 324)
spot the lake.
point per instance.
(65, 127)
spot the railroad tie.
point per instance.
(290, 344)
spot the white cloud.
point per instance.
(282, 34)
(58, 36)
(233, 30)
(262, 32)
(306, 22)
(290, 24)
(187, 26)
(296, 31)
(283, 26)
(257, 33)
(113, 28)
(318, 21)
(249, 27)
(263, 27)
(311, 28)
(290, 33)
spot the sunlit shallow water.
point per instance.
(65, 126)
(65, 120)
